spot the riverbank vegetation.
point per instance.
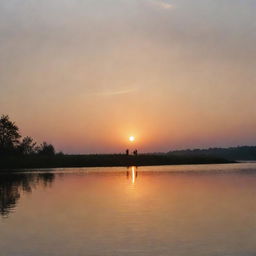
(44, 161)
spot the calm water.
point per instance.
(152, 211)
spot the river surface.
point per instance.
(188, 210)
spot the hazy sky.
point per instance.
(86, 74)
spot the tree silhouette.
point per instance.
(27, 146)
(46, 149)
(9, 135)
(11, 143)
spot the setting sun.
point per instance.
(131, 138)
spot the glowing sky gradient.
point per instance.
(86, 75)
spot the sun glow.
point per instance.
(131, 138)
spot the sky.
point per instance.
(86, 74)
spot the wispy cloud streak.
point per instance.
(115, 92)
(163, 4)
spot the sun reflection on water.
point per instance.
(132, 174)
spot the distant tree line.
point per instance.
(232, 153)
(12, 143)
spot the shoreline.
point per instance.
(73, 161)
(66, 169)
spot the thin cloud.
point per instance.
(119, 92)
(115, 92)
(163, 4)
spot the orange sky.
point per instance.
(85, 75)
